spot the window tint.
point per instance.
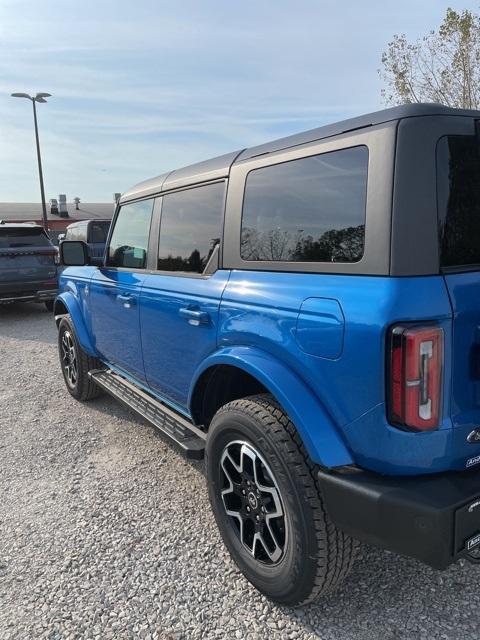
(190, 228)
(129, 242)
(98, 231)
(307, 210)
(11, 238)
(458, 185)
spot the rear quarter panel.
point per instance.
(261, 310)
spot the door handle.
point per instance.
(126, 299)
(195, 317)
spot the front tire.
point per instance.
(75, 363)
(264, 494)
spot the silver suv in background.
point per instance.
(28, 264)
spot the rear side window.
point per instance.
(190, 228)
(458, 187)
(129, 241)
(307, 210)
(21, 238)
(98, 232)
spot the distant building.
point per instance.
(32, 212)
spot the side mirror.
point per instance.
(74, 253)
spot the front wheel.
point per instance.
(264, 494)
(75, 363)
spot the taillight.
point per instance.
(415, 376)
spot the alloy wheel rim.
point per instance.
(253, 502)
(69, 358)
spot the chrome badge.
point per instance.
(474, 436)
(473, 461)
(473, 506)
(473, 542)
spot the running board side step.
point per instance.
(175, 428)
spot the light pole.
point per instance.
(40, 97)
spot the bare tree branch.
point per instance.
(443, 66)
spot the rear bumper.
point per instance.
(435, 518)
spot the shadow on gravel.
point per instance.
(107, 405)
(27, 321)
(114, 408)
(388, 597)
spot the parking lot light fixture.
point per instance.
(39, 97)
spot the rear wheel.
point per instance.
(75, 363)
(264, 494)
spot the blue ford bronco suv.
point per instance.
(306, 314)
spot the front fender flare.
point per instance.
(317, 430)
(73, 308)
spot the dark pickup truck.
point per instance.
(28, 269)
(93, 232)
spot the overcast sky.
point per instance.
(144, 86)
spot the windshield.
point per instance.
(458, 186)
(14, 238)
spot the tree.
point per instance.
(274, 244)
(335, 245)
(443, 66)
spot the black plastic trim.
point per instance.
(414, 239)
(429, 517)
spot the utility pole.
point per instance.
(40, 97)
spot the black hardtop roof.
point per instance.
(219, 167)
(360, 122)
(199, 172)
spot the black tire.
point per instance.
(49, 304)
(77, 380)
(315, 556)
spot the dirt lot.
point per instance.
(105, 532)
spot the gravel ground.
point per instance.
(105, 532)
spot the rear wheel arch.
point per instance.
(217, 386)
(257, 372)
